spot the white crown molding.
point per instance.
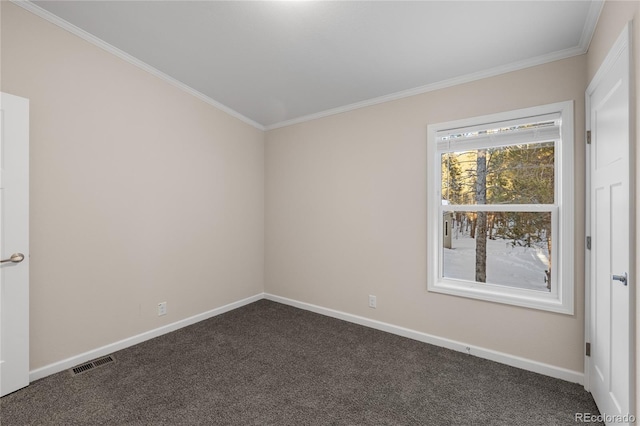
(585, 39)
(583, 46)
(590, 24)
(515, 66)
(48, 16)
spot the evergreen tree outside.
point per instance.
(481, 221)
(516, 174)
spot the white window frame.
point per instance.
(560, 298)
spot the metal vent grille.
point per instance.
(82, 368)
(101, 361)
(92, 364)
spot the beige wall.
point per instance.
(140, 193)
(346, 215)
(615, 15)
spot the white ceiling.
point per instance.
(273, 63)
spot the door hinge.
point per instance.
(588, 243)
(588, 137)
(587, 350)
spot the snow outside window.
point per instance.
(500, 207)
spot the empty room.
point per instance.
(319, 212)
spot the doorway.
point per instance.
(14, 243)
(610, 273)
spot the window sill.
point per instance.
(505, 295)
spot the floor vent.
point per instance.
(92, 364)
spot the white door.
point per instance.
(610, 365)
(14, 243)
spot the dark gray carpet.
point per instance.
(271, 364)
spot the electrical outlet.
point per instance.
(372, 301)
(162, 308)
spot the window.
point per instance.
(500, 207)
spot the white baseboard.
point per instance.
(65, 364)
(503, 358)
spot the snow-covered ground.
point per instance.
(522, 267)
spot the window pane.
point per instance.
(515, 250)
(518, 174)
